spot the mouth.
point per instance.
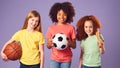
(61, 19)
(88, 31)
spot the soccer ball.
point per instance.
(60, 41)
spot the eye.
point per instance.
(32, 19)
(36, 21)
(85, 27)
(90, 27)
(65, 14)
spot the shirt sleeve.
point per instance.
(101, 37)
(73, 36)
(82, 43)
(48, 33)
(16, 36)
(42, 40)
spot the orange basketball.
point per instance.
(13, 51)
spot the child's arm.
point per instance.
(41, 49)
(49, 43)
(98, 37)
(102, 48)
(72, 43)
(81, 58)
(4, 57)
(100, 43)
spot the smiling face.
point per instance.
(61, 17)
(88, 28)
(33, 22)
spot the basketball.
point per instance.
(13, 51)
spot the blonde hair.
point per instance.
(31, 14)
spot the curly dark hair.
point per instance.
(80, 26)
(66, 7)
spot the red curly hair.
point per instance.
(80, 26)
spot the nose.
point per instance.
(88, 28)
(62, 16)
(34, 22)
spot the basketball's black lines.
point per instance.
(16, 51)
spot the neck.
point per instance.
(61, 23)
(30, 30)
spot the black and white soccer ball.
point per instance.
(60, 41)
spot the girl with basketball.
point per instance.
(32, 42)
(92, 43)
(61, 15)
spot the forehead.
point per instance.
(88, 23)
(35, 18)
(61, 11)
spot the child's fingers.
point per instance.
(4, 57)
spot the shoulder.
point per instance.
(70, 26)
(82, 43)
(101, 36)
(52, 26)
(20, 31)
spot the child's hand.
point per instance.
(49, 44)
(101, 46)
(4, 57)
(69, 42)
(72, 43)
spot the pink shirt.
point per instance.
(69, 31)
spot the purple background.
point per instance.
(13, 13)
